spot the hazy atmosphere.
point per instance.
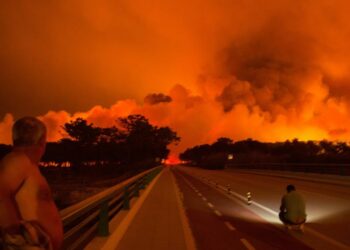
(269, 70)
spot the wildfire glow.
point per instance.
(172, 160)
(270, 71)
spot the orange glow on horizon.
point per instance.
(270, 71)
(172, 160)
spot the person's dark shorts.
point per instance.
(282, 217)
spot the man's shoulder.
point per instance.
(16, 161)
(15, 167)
(288, 196)
(295, 196)
(296, 193)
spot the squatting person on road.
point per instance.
(292, 210)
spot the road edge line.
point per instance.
(247, 244)
(115, 238)
(189, 238)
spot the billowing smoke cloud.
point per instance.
(198, 119)
(271, 70)
(153, 99)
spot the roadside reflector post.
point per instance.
(103, 225)
(249, 198)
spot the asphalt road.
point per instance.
(218, 223)
(222, 220)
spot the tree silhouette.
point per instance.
(250, 151)
(144, 139)
(82, 132)
(132, 139)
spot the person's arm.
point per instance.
(35, 203)
(15, 175)
(10, 181)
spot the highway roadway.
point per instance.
(220, 218)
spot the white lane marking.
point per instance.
(265, 208)
(247, 244)
(203, 198)
(217, 212)
(229, 226)
(210, 205)
(189, 184)
(243, 198)
(199, 194)
(189, 239)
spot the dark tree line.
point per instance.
(131, 139)
(250, 151)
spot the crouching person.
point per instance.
(292, 210)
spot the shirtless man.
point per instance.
(28, 214)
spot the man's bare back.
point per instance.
(25, 195)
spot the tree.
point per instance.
(82, 132)
(144, 140)
(222, 144)
(196, 154)
(133, 140)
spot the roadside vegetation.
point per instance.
(286, 155)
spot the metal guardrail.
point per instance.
(319, 168)
(89, 218)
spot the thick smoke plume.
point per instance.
(271, 70)
(157, 98)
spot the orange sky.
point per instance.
(270, 70)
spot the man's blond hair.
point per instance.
(28, 131)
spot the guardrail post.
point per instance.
(126, 202)
(143, 183)
(148, 179)
(137, 188)
(103, 224)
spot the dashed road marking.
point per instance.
(203, 198)
(199, 194)
(217, 212)
(247, 244)
(210, 205)
(229, 226)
